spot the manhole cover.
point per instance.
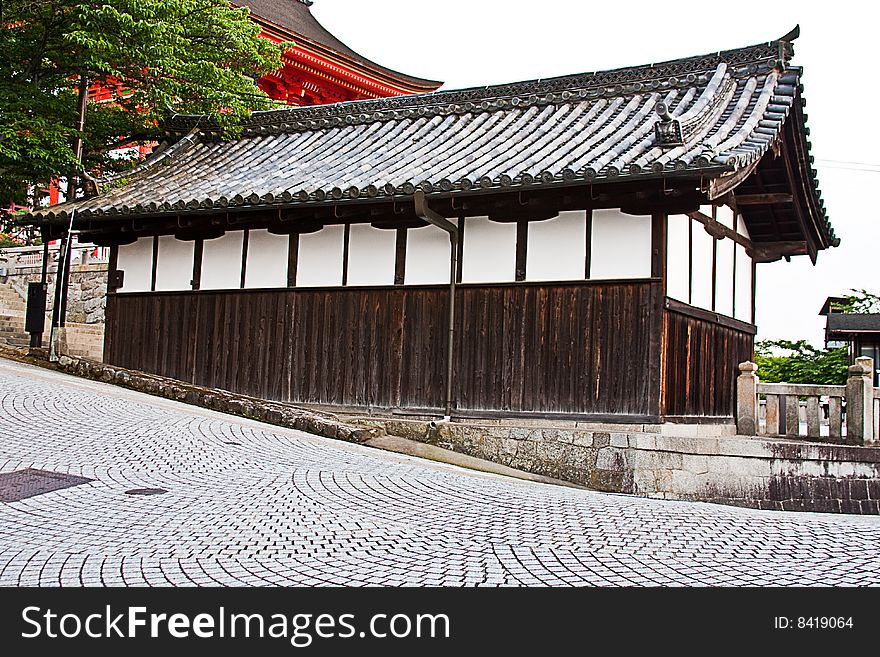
(146, 491)
(22, 484)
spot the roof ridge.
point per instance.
(661, 76)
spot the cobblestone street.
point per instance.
(251, 504)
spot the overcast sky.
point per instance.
(469, 43)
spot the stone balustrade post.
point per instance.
(747, 400)
(860, 402)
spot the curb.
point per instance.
(277, 413)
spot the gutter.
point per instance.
(435, 219)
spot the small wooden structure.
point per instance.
(861, 331)
(607, 230)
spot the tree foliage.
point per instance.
(154, 57)
(784, 361)
(860, 301)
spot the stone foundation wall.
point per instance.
(695, 462)
(647, 460)
(86, 294)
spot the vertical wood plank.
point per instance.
(244, 257)
(346, 250)
(400, 256)
(522, 245)
(292, 259)
(155, 263)
(588, 247)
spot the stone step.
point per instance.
(18, 342)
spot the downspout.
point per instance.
(426, 213)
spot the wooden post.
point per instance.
(860, 402)
(747, 400)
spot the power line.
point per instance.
(866, 164)
(848, 168)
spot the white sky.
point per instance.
(480, 42)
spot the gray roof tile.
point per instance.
(592, 128)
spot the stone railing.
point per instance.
(815, 412)
(19, 258)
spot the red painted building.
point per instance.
(319, 68)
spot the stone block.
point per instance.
(619, 440)
(695, 464)
(684, 483)
(583, 438)
(858, 489)
(642, 441)
(644, 482)
(612, 459)
(607, 480)
(663, 481)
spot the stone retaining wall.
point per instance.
(86, 294)
(219, 400)
(646, 460)
(702, 464)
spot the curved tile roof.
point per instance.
(705, 117)
(296, 16)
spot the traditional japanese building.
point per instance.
(319, 68)
(859, 331)
(602, 231)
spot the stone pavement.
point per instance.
(252, 504)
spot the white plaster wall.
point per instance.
(320, 257)
(557, 248)
(427, 256)
(621, 245)
(489, 251)
(741, 226)
(371, 255)
(702, 281)
(724, 277)
(221, 262)
(266, 259)
(724, 215)
(677, 257)
(174, 268)
(743, 300)
(136, 260)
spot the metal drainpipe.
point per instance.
(426, 213)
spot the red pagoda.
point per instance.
(319, 68)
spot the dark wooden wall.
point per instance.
(702, 352)
(582, 349)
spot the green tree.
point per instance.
(152, 57)
(861, 301)
(784, 361)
